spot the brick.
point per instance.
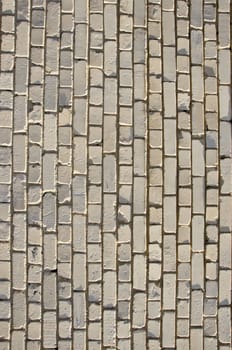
(49, 290)
(18, 339)
(49, 329)
(139, 310)
(52, 55)
(102, 152)
(19, 304)
(198, 233)
(169, 256)
(139, 277)
(19, 271)
(168, 331)
(109, 217)
(169, 214)
(21, 75)
(197, 270)
(110, 59)
(197, 308)
(169, 282)
(109, 290)
(197, 44)
(196, 14)
(168, 24)
(50, 102)
(109, 166)
(109, 326)
(224, 287)
(109, 251)
(4, 330)
(197, 84)
(224, 33)
(78, 194)
(223, 325)
(198, 195)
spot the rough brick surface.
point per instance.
(115, 174)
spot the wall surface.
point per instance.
(115, 175)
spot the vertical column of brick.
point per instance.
(212, 187)
(224, 179)
(110, 179)
(21, 136)
(125, 140)
(50, 175)
(170, 175)
(138, 98)
(198, 174)
(6, 168)
(184, 176)
(155, 175)
(79, 174)
(95, 178)
(64, 178)
(34, 193)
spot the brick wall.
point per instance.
(115, 175)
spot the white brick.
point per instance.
(49, 330)
(168, 331)
(109, 327)
(139, 272)
(139, 307)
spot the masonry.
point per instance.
(115, 175)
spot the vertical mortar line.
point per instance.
(132, 185)
(163, 150)
(117, 161)
(205, 158)
(219, 168)
(177, 173)
(205, 166)
(1, 35)
(71, 184)
(219, 162)
(147, 154)
(102, 184)
(102, 181)
(191, 159)
(222, 156)
(191, 172)
(87, 173)
(221, 193)
(42, 172)
(27, 171)
(219, 176)
(57, 176)
(117, 125)
(11, 176)
(147, 208)
(230, 63)
(72, 176)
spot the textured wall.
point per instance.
(115, 175)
